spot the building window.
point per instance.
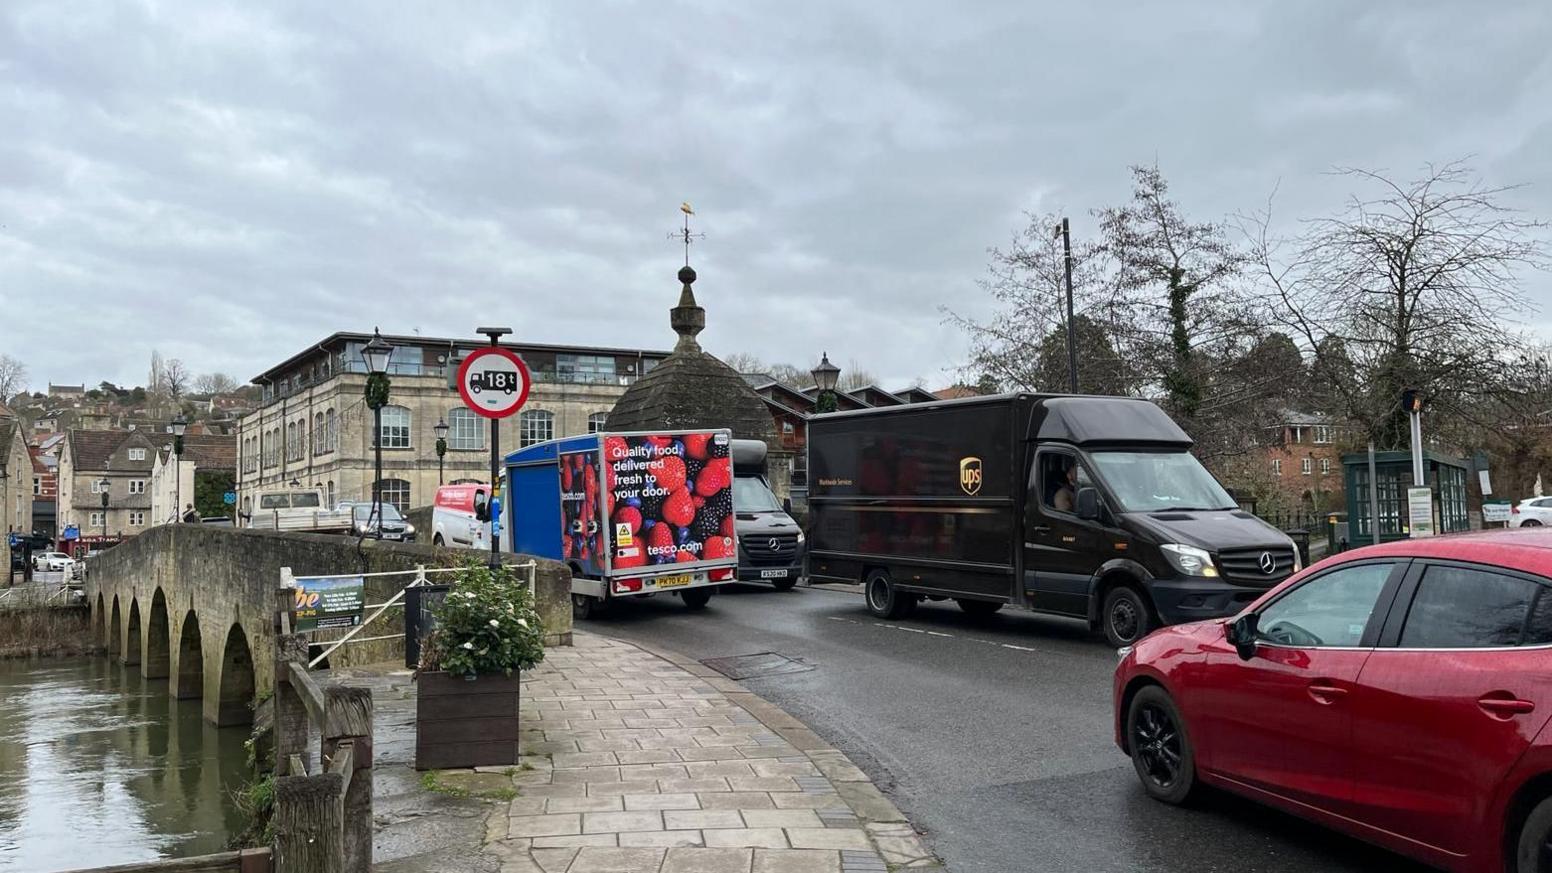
(96, 520)
(1322, 434)
(787, 428)
(595, 422)
(1305, 465)
(320, 435)
(1325, 466)
(137, 486)
(37, 486)
(463, 430)
(137, 454)
(535, 426)
(396, 428)
(98, 487)
(397, 492)
(328, 492)
(331, 427)
(1277, 466)
(136, 519)
(591, 369)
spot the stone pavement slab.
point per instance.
(647, 762)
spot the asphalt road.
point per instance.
(992, 735)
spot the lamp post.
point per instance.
(376, 354)
(441, 445)
(102, 486)
(1072, 342)
(826, 375)
(180, 425)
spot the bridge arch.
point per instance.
(115, 631)
(234, 705)
(189, 681)
(133, 640)
(158, 650)
(100, 622)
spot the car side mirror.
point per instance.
(1088, 504)
(1241, 634)
(786, 505)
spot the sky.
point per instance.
(228, 183)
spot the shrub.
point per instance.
(486, 624)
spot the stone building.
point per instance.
(694, 389)
(119, 463)
(207, 463)
(312, 426)
(15, 476)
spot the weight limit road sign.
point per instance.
(493, 382)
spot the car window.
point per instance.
(274, 501)
(1544, 503)
(1464, 608)
(1328, 611)
(1061, 475)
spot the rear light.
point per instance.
(722, 575)
(627, 585)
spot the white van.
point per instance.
(460, 516)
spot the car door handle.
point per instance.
(1504, 707)
(1325, 691)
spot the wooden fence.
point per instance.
(323, 820)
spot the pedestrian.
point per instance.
(189, 515)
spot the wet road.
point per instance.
(992, 735)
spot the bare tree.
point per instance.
(790, 374)
(13, 377)
(745, 362)
(1406, 288)
(852, 377)
(176, 378)
(214, 383)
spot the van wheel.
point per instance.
(979, 608)
(1126, 616)
(1160, 746)
(437, 540)
(1535, 850)
(883, 600)
(583, 607)
(696, 598)
(784, 584)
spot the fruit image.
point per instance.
(718, 451)
(629, 515)
(678, 510)
(660, 544)
(728, 525)
(669, 472)
(615, 449)
(695, 445)
(684, 557)
(715, 516)
(717, 476)
(719, 547)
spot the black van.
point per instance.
(1090, 507)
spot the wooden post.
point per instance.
(290, 711)
(307, 824)
(347, 718)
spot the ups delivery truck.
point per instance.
(1089, 507)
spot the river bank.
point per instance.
(58, 632)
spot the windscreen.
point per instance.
(750, 494)
(274, 501)
(1151, 481)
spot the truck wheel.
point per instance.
(783, 584)
(696, 598)
(1534, 854)
(583, 607)
(883, 600)
(1126, 616)
(979, 608)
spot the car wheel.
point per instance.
(784, 584)
(1125, 616)
(1530, 522)
(696, 598)
(1535, 850)
(979, 608)
(883, 600)
(1160, 746)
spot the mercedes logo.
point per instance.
(1268, 563)
(774, 545)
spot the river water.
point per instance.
(99, 766)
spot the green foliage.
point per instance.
(376, 390)
(256, 802)
(486, 624)
(825, 402)
(432, 781)
(209, 487)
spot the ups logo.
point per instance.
(970, 475)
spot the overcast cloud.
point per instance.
(228, 183)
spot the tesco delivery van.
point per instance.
(632, 514)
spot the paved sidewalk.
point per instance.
(644, 763)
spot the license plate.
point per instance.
(673, 581)
(773, 574)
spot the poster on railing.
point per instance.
(328, 602)
(670, 499)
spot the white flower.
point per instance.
(494, 623)
(522, 622)
(469, 646)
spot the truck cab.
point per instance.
(770, 541)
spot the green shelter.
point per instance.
(1445, 474)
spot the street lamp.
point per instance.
(376, 354)
(826, 375)
(441, 445)
(179, 426)
(102, 485)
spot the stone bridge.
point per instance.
(195, 605)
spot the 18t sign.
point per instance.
(493, 382)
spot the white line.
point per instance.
(914, 630)
(1018, 648)
(937, 634)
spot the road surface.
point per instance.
(992, 735)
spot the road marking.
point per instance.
(1017, 648)
(933, 633)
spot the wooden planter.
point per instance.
(466, 723)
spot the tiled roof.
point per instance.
(955, 392)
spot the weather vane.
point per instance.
(684, 233)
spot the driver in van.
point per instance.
(1066, 495)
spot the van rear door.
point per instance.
(1061, 551)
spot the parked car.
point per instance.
(1531, 512)
(1399, 693)
(394, 526)
(53, 562)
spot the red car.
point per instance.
(1399, 693)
